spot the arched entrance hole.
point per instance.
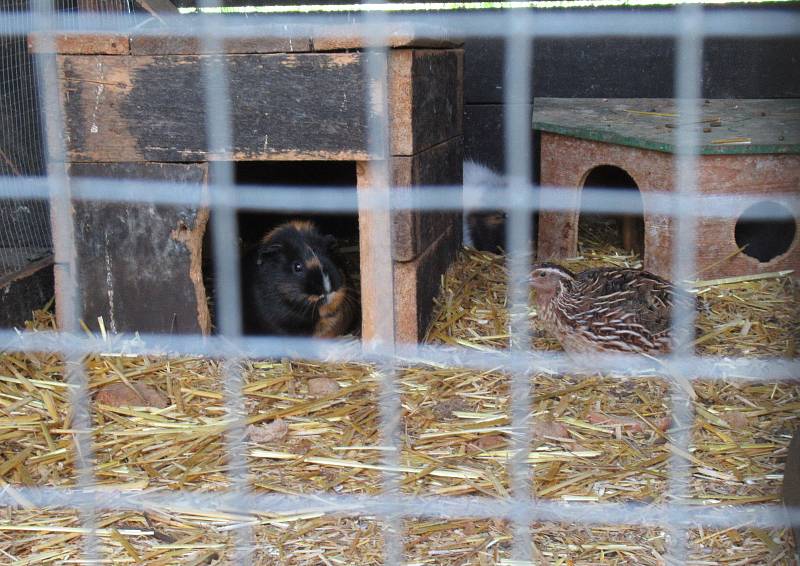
(623, 229)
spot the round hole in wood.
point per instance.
(765, 230)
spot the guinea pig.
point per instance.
(485, 230)
(291, 284)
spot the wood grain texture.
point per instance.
(425, 98)
(374, 230)
(140, 265)
(416, 284)
(154, 45)
(415, 231)
(151, 108)
(340, 37)
(770, 126)
(567, 161)
(84, 44)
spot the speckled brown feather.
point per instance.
(611, 310)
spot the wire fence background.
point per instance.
(24, 223)
(687, 25)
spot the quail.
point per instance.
(606, 309)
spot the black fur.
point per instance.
(279, 275)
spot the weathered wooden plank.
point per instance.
(567, 161)
(25, 290)
(415, 231)
(425, 98)
(416, 284)
(637, 67)
(140, 265)
(154, 45)
(84, 44)
(484, 135)
(338, 38)
(151, 108)
(762, 126)
(376, 272)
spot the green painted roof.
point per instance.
(725, 126)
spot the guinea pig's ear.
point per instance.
(268, 251)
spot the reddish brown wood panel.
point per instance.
(140, 265)
(339, 38)
(85, 44)
(425, 98)
(415, 231)
(759, 175)
(416, 282)
(374, 228)
(567, 161)
(152, 108)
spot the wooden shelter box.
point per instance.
(134, 108)
(747, 148)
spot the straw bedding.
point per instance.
(596, 438)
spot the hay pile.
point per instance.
(596, 439)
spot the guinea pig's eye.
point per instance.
(297, 266)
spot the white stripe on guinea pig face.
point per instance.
(326, 282)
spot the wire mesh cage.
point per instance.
(368, 450)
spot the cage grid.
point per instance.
(687, 25)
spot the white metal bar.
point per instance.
(688, 80)
(66, 267)
(224, 234)
(517, 97)
(379, 240)
(273, 504)
(687, 25)
(621, 365)
(277, 198)
(563, 23)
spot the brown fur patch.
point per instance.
(330, 308)
(299, 225)
(334, 317)
(302, 225)
(313, 263)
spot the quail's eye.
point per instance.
(297, 266)
(541, 274)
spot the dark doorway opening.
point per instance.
(765, 230)
(624, 230)
(253, 225)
